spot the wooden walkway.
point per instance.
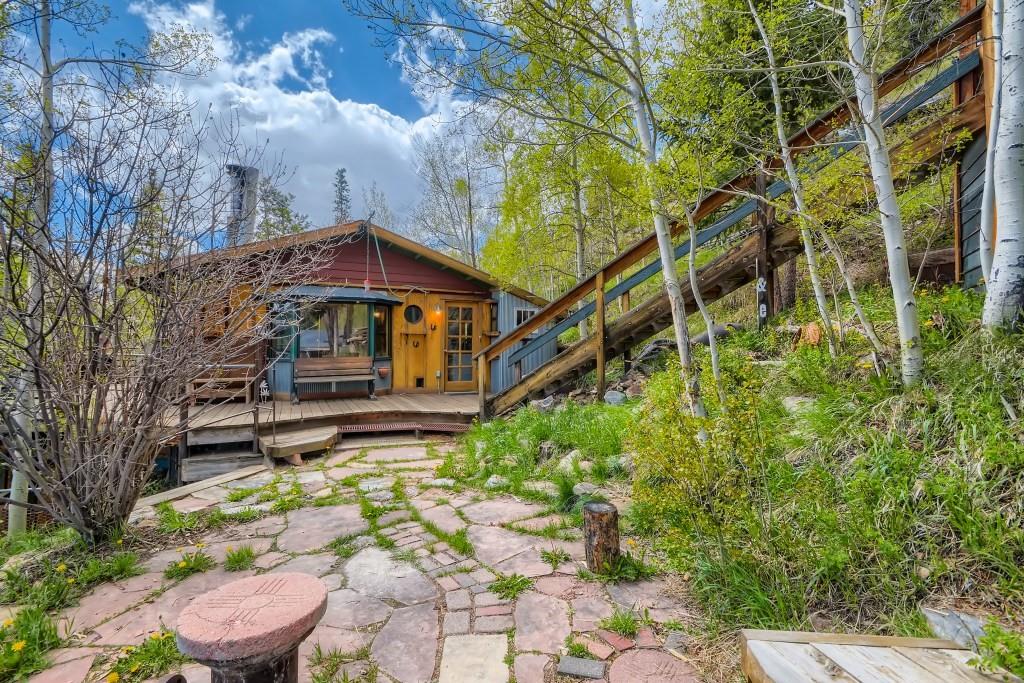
(797, 657)
(227, 415)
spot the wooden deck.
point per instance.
(796, 657)
(341, 410)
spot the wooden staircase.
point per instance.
(769, 246)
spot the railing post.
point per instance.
(599, 331)
(481, 379)
(765, 273)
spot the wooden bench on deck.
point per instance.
(318, 370)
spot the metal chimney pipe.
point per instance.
(242, 197)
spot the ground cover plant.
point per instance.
(858, 505)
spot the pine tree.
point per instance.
(342, 197)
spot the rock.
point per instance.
(312, 528)
(543, 405)
(721, 331)
(580, 668)
(654, 349)
(677, 641)
(584, 489)
(407, 645)
(473, 658)
(542, 622)
(500, 511)
(796, 404)
(566, 464)
(634, 390)
(962, 628)
(495, 481)
(586, 466)
(547, 487)
(375, 573)
(375, 484)
(443, 482)
(615, 398)
(546, 451)
(530, 668)
(380, 496)
(625, 463)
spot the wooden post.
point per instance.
(601, 536)
(175, 463)
(765, 273)
(481, 379)
(599, 331)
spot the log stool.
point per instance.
(249, 631)
(601, 536)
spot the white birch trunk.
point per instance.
(986, 232)
(1004, 300)
(709, 320)
(911, 353)
(661, 225)
(796, 186)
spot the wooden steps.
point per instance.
(798, 657)
(298, 441)
(206, 465)
(721, 276)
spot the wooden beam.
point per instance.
(949, 39)
(599, 331)
(481, 371)
(189, 489)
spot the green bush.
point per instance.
(860, 505)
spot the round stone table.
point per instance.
(249, 631)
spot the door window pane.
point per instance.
(382, 331)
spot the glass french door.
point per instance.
(460, 333)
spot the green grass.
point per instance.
(190, 563)
(170, 521)
(325, 664)
(239, 559)
(24, 642)
(158, 654)
(385, 542)
(555, 557)
(66, 578)
(623, 622)
(344, 547)
(509, 587)
(575, 648)
(238, 495)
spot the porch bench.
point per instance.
(316, 370)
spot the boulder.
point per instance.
(625, 462)
(634, 390)
(543, 405)
(495, 481)
(546, 451)
(584, 489)
(615, 398)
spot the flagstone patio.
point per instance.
(408, 604)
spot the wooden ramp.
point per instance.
(796, 657)
(298, 441)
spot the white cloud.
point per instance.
(279, 95)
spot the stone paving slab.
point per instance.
(476, 658)
(651, 666)
(444, 517)
(530, 668)
(398, 453)
(542, 623)
(348, 609)
(494, 544)
(373, 572)
(108, 600)
(500, 511)
(406, 647)
(313, 528)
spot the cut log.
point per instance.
(601, 535)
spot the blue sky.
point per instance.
(308, 79)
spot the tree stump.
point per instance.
(601, 536)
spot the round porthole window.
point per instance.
(413, 314)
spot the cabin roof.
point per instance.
(394, 240)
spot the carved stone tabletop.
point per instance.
(254, 618)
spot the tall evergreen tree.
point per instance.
(342, 197)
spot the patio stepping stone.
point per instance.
(498, 624)
(373, 572)
(651, 666)
(371, 484)
(397, 453)
(348, 609)
(530, 668)
(494, 544)
(500, 511)
(587, 611)
(69, 665)
(407, 645)
(456, 623)
(474, 658)
(317, 565)
(580, 668)
(542, 622)
(444, 517)
(313, 528)
(108, 600)
(527, 563)
(650, 595)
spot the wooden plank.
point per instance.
(183, 491)
(202, 467)
(217, 434)
(946, 666)
(301, 441)
(846, 639)
(877, 664)
(600, 332)
(770, 662)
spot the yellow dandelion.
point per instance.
(70, 581)
(120, 541)
(168, 634)
(200, 545)
(229, 549)
(631, 543)
(181, 550)
(135, 667)
(61, 568)
(183, 564)
(155, 635)
(8, 623)
(18, 646)
(113, 677)
(127, 648)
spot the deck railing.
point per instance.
(549, 322)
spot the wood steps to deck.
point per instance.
(299, 441)
(203, 466)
